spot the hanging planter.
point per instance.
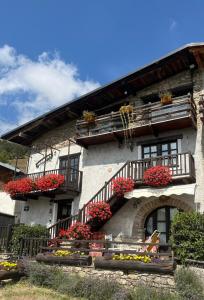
(89, 117)
(122, 185)
(166, 98)
(157, 176)
(126, 115)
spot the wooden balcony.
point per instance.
(71, 186)
(147, 119)
(181, 165)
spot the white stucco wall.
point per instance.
(9, 206)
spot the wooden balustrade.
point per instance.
(72, 182)
(181, 166)
(182, 113)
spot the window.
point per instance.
(160, 220)
(69, 165)
(160, 149)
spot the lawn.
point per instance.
(25, 291)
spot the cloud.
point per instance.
(173, 25)
(29, 88)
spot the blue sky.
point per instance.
(54, 50)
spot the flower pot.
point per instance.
(166, 99)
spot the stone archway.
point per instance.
(146, 206)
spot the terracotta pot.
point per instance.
(166, 99)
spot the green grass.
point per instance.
(26, 291)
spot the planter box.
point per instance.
(71, 260)
(110, 264)
(13, 274)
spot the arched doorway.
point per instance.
(160, 219)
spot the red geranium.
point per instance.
(99, 211)
(122, 185)
(20, 186)
(157, 176)
(47, 182)
(77, 231)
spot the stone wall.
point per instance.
(127, 280)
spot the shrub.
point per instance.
(99, 211)
(94, 288)
(143, 292)
(157, 176)
(42, 275)
(21, 231)
(122, 185)
(188, 285)
(187, 231)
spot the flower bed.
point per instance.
(99, 211)
(122, 185)
(27, 185)
(9, 270)
(157, 176)
(133, 262)
(65, 257)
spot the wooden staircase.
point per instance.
(105, 193)
(182, 168)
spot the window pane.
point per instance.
(146, 150)
(161, 214)
(146, 155)
(162, 238)
(173, 145)
(165, 147)
(173, 151)
(150, 226)
(153, 148)
(161, 226)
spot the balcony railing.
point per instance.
(72, 182)
(145, 120)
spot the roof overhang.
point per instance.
(186, 190)
(184, 58)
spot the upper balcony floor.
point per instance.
(152, 118)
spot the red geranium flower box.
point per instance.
(77, 231)
(157, 176)
(21, 186)
(122, 185)
(99, 211)
(51, 181)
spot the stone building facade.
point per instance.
(100, 161)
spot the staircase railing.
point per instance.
(181, 166)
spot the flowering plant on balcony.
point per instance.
(157, 176)
(51, 181)
(99, 211)
(77, 231)
(21, 186)
(122, 185)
